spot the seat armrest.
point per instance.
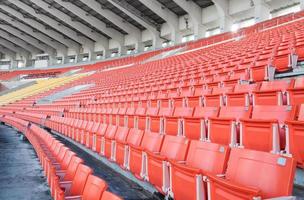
(234, 186)
(60, 173)
(283, 198)
(222, 118)
(66, 186)
(156, 155)
(73, 198)
(185, 168)
(259, 120)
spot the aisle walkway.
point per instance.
(21, 175)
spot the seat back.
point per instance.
(241, 95)
(205, 112)
(152, 141)
(111, 131)
(135, 136)
(62, 152)
(248, 88)
(296, 93)
(262, 170)
(280, 85)
(235, 112)
(94, 188)
(280, 113)
(183, 112)
(71, 169)
(209, 157)
(67, 159)
(121, 134)
(80, 179)
(175, 147)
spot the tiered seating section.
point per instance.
(40, 86)
(205, 123)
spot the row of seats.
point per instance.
(67, 175)
(264, 128)
(171, 162)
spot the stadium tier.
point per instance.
(219, 118)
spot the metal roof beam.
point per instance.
(51, 33)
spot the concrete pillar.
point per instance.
(261, 10)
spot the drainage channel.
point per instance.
(117, 183)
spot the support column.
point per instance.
(302, 4)
(261, 10)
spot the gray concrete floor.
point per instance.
(21, 176)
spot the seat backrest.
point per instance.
(183, 112)
(140, 111)
(152, 111)
(245, 88)
(67, 159)
(111, 131)
(262, 170)
(71, 169)
(280, 85)
(152, 141)
(205, 112)
(62, 153)
(102, 129)
(299, 82)
(301, 113)
(109, 196)
(121, 134)
(166, 112)
(89, 126)
(135, 136)
(175, 147)
(209, 157)
(235, 112)
(80, 179)
(281, 113)
(94, 188)
(95, 127)
(221, 90)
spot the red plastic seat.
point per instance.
(97, 138)
(260, 70)
(151, 142)
(295, 137)
(121, 137)
(203, 158)
(173, 148)
(217, 98)
(296, 92)
(265, 130)
(195, 127)
(271, 93)
(196, 99)
(106, 145)
(224, 129)
(93, 189)
(77, 184)
(173, 125)
(122, 148)
(70, 172)
(241, 95)
(282, 61)
(252, 174)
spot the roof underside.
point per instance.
(135, 7)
